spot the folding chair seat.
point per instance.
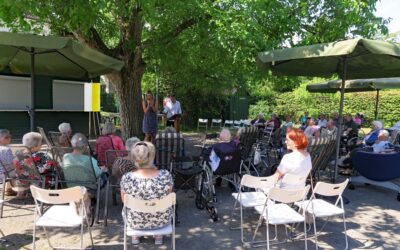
(216, 123)
(150, 206)
(202, 123)
(280, 212)
(228, 123)
(258, 197)
(60, 215)
(320, 208)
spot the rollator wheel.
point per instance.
(199, 201)
(214, 214)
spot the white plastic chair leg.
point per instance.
(345, 231)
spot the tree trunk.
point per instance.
(128, 87)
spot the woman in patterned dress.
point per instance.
(150, 108)
(146, 183)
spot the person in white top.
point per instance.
(297, 163)
(382, 142)
(174, 112)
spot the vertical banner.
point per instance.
(92, 97)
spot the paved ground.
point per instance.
(373, 216)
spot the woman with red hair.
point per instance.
(296, 163)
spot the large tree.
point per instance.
(204, 43)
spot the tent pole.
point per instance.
(376, 104)
(340, 128)
(31, 110)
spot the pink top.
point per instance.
(107, 142)
(357, 121)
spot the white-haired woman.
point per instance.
(30, 163)
(382, 142)
(65, 139)
(123, 165)
(146, 183)
(6, 158)
(107, 141)
(372, 136)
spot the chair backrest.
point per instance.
(377, 166)
(75, 175)
(329, 189)
(258, 182)
(112, 155)
(294, 180)
(237, 123)
(59, 152)
(54, 138)
(216, 121)
(44, 136)
(248, 137)
(228, 123)
(150, 206)
(168, 145)
(203, 120)
(229, 163)
(288, 195)
(59, 196)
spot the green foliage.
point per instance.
(108, 102)
(296, 102)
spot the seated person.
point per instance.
(6, 159)
(259, 121)
(275, 121)
(287, 123)
(65, 139)
(357, 119)
(382, 143)
(30, 163)
(372, 136)
(123, 165)
(322, 121)
(79, 144)
(330, 130)
(107, 141)
(298, 162)
(146, 183)
(303, 119)
(351, 128)
(225, 146)
(312, 129)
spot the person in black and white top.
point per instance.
(174, 112)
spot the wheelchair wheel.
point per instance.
(199, 201)
(213, 213)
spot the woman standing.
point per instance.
(150, 108)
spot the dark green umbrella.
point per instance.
(357, 85)
(27, 54)
(349, 59)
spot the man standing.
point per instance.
(174, 112)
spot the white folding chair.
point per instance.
(281, 213)
(237, 124)
(252, 199)
(321, 208)
(150, 206)
(228, 123)
(202, 123)
(63, 213)
(216, 123)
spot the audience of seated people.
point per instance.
(30, 163)
(66, 132)
(107, 141)
(298, 162)
(6, 159)
(146, 183)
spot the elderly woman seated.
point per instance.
(146, 183)
(79, 144)
(107, 141)
(6, 159)
(372, 136)
(312, 129)
(123, 165)
(225, 146)
(30, 163)
(259, 121)
(65, 138)
(382, 143)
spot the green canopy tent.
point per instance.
(27, 54)
(358, 85)
(349, 59)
